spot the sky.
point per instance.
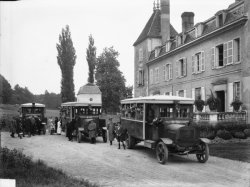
(30, 29)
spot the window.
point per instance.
(140, 78)
(168, 93)
(151, 76)
(140, 54)
(226, 54)
(198, 63)
(220, 20)
(181, 93)
(236, 49)
(219, 55)
(156, 75)
(236, 88)
(181, 68)
(197, 93)
(167, 72)
(166, 111)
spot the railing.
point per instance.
(221, 116)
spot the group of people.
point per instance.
(55, 126)
(118, 132)
(22, 126)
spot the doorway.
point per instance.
(221, 97)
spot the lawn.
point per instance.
(16, 165)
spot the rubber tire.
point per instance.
(202, 158)
(79, 137)
(161, 152)
(130, 142)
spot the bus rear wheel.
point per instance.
(161, 152)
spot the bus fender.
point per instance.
(166, 141)
(205, 140)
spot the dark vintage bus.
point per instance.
(34, 109)
(85, 112)
(163, 123)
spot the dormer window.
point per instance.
(220, 20)
(157, 51)
(179, 39)
(168, 46)
(199, 29)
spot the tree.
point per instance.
(91, 59)
(5, 90)
(110, 79)
(128, 92)
(66, 60)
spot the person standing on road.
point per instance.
(92, 131)
(59, 127)
(56, 121)
(121, 135)
(111, 130)
(13, 127)
(70, 129)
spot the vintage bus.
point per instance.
(163, 123)
(87, 107)
(34, 109)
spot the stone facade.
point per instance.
(210, 56)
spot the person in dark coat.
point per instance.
(111, 130)
(56, 121)
(33, 125)
(19, 128)
(92, 131)
(70, 129)
(28, 126)
(12, 127)
(121, 135)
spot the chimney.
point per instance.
(165, 21)
(187, 21)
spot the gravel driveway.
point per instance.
(107, 166)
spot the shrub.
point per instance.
(240, 135)
(224, 134)
(247, 132)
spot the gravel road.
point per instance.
(107, 166)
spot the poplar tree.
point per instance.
(66, 60)
(91, 59)
(110, 80)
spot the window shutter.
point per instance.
(213, 58)
(193, 64)
(185, 93)
(230, 52)
(230, 91)
(185, 67)
(142, 77)
(202, 61)
(177, 93)
(170, 71)
(151, 77)
(193, 93)
(225, 54)
(137, 78)
(203, 96)
(164, 72)
(177, 69)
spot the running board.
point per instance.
(149, 143)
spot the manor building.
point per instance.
(210, 56)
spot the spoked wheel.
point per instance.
(203, 156)
(161, 153)
(79, 137)
(130, 142)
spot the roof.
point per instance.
(234, 13)
(80, 104)
(160, 99)
(89, 89)
(153, 28)
(32, 104)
